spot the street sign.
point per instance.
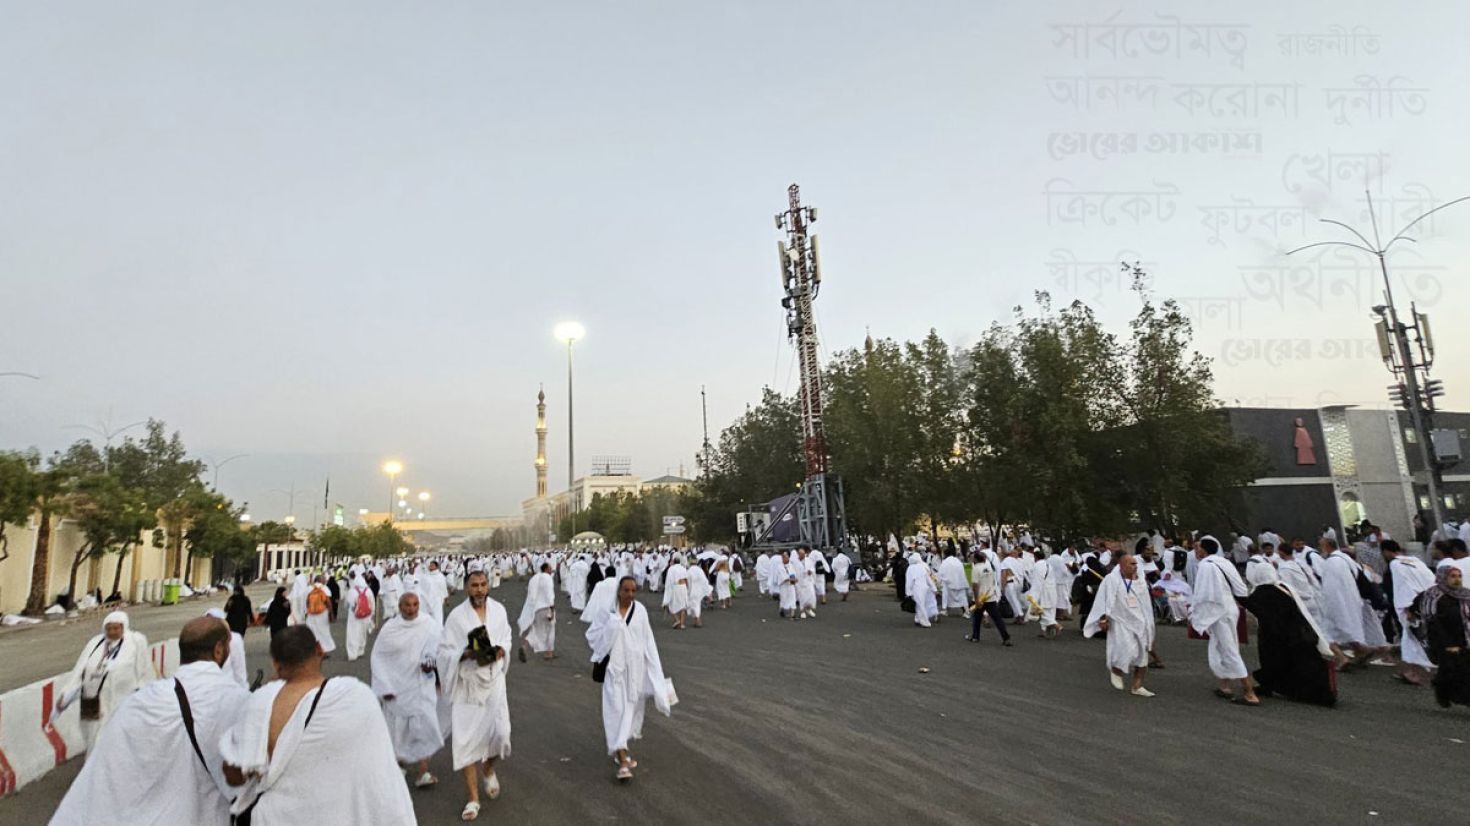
(673, 524)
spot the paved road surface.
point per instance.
(35, 652)
(830, 721)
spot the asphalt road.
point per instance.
(831, 721)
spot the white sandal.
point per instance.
(471, 811)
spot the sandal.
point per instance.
(471, 811)
(625, 774)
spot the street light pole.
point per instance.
(571, 453)
(392, 468)
(1406, 363)
(570, 331)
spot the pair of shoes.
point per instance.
(1141, 692)
(1117, 679)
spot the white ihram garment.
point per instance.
(634, 672)
(1214, 611)
(480, 715)
(399, 654)
(1130, 620)
(536, 621)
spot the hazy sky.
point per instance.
(327, 234)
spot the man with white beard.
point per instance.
(956, 586)
(153, 763)
(920, 587)
(1214, 611)
(620, 633)
(472, 664)
(390, 588)
(763, 572)
(538, 616)
(403, 670)
(360, 610)
(676, 592)
(1121, 609)
(841, 567)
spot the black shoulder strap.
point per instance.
(317, 699)
(628, 620)
(188, 716)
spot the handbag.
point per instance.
(599, 668)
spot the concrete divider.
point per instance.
(30, 745)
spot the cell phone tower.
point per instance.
(820, 509)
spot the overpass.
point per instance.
(461, 525)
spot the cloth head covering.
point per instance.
(1219, 547)
(1442, 590)
(215, 612)
(118, 617)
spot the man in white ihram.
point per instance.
(1122, 609)
(474, 677)
(152, 763)
(538, 616)
(403, 665)
(619, 630)
(309, 749)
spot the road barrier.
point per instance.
(30, 745)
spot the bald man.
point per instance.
(157, 760)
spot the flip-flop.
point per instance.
(471, 811)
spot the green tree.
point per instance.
(109, 516)
(873, 438)
(17, 494)
(48, 491)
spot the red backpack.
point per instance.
(364, 607)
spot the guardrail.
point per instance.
(30, 745)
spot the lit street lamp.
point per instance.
(392, 467)
(570, 332)
(423, 502)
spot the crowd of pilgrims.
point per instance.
(210, 745)
(1319, 610)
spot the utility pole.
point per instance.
(704, 451)
(1417, 391)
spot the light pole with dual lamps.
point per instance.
(392, 467)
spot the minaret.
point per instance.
(541, 444)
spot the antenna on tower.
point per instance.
(819, 509)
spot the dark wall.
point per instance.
(1273, 430)
(1290, 510)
